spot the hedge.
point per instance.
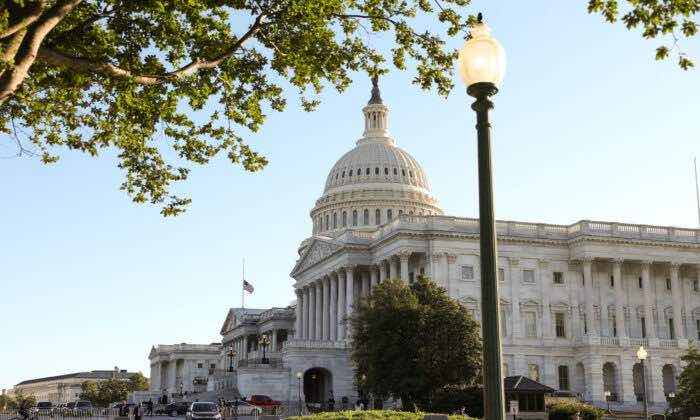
(568, 410)
(370, 415)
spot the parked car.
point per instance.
(44, 408)
(244, 408)
(174, 409)
(83, 408)
(203, 411)
(264, 401)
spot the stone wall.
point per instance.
(264, 381)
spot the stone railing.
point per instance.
(530, 230)
(668, 344)
(182, 347)
(609, 341)
(316, 344)
(636, 342)
(284, 313)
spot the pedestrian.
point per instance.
(149, 407)
(137, 411)
(331, 401)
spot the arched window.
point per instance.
(336, 175)
(343, 176)
(367, 171)
(403, 172)
(354, 217)
(327, 222)
(377, 217)
(388, 215)
(400, 212)
(386, 171)
(376, 171)
(396, 172)
(365, 217)
(359, 171)
(345, 219)
(335, 220)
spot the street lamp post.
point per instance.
(642, 356)
(482, 65)
(231, 355)
(264, 342)
(607, 399)
(299, 376)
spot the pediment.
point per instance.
(469, 301)
(316, 252)
(229, 322)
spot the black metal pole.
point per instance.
(494, 404)
(644, 390)
(299, 380)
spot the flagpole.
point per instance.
(242, 288)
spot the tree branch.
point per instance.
(33, 14)
(12, 79)
(81, 64)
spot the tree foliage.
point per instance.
(20, 400)
(411, 342)
(170, 84)
(686, 403)
(103, 393)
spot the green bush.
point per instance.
(568, 410)
(369, 415)
(452, 399)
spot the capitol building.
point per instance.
(577, 300)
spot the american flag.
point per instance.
(247, 287)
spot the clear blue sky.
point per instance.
(587, 126)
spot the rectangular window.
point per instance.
(410, 277)
(585, 325)
(613, 321)
(558, 277)
(641, 286)
(501, 274)
(612, 282)
(668, 284)
(643, 323)
(467, 272)
(696, 286)
(530, 324)
(671, 331)
(200, 365)
(528, 276)
(560, 325)
(533, 372)
(563, 378)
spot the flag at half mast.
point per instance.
(248, 287)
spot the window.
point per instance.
(696, 286)
(327, 220)
(396, 172)
(467, 272)
(403, 172)
(530, 324)
(533, 372)
(376, 171)
(386, 171)
(563, 378)
(359, 171)
(350, 173)
(528, 276)
(365, 217)
(345, 219)
(641, 286)
(343, 176)
(367, 171)
(410, 173)
(643, 324)
(668, 284)
(377, 217)
(410, 277)
(212, 366)
(200, 365)
(389, 215)
(501, 274)
(335, 220)
(558, 277)
(613, 321)
(612, 282)
(354, 217)
(585, 324)
(560, 326)
(671, 331)
(400, 212)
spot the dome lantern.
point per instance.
(376, 117)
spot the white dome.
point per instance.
(374, 182)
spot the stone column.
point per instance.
(245, 346)
(319, 311)
(273, 344)
(326, 308)
(435, 271)
(305, 314)
(619, 299)
(515, 297)
(626, 389)
(594, 377)
(373, 271)
(312, 312)
(333, 321)
(365, 283)
(403, 257)
(545, 279)
(676, 291)
(382, 271)
(349, 295)
(298, 333)
(445, 272)
(392, 269)
(341, 304)
(648, 300)
(587, 264)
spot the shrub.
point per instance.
(568, 410)
(369, 415)
(452, 399)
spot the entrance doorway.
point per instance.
(318, 383)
